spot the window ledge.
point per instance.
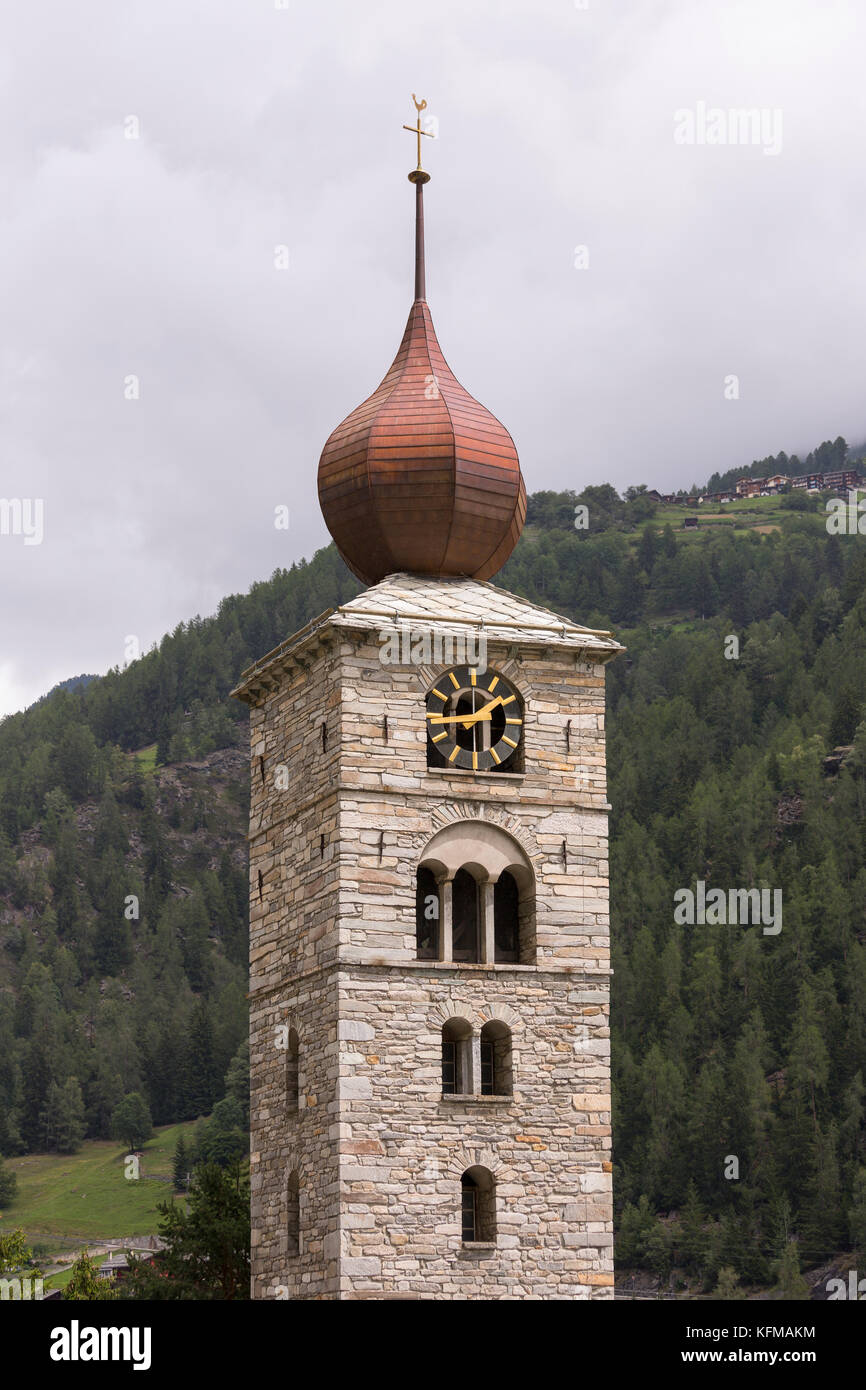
(481, 1100)
(479, 776)
(483, 1248)
(461, 964)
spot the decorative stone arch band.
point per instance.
(287, 1022)
(471, 811)
(465, 1158)
(475, 1015)
(292, 1164)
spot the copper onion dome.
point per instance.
(420, 477)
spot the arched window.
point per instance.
(486, 895)
(506, 918)
(426, 915)
(293, 1214)
(496, 1073)
(478, 1206)
(292, 1054)
(465, 936)
(456, 1058)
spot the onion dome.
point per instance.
(421, 478)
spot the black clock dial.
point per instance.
(474, 720)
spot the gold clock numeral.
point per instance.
(493, 684)
(439, 693)
(509, 741)
(437, 738)
(473, 676)
(495, 756)
(455, 751)
(514, 721)
(454, 681)
(474, 761)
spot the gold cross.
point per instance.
(416, 129)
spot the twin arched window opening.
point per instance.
(476, 1066)
(468, 910)
(475, 897)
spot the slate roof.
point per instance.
(446, 606)
(458, 603)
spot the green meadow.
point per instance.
(86, 1195)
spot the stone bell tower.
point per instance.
(429, 958)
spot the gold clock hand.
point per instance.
(466, 719)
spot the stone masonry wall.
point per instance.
(336, 832)
(405, 1146)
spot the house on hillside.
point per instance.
(843, 480)
(750, 487)
(690, 523)
(116, 1266)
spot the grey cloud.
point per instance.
(261, 127)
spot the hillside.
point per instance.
(67, 1199)
(726, 1041)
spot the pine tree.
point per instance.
(37, 1079)
(61, 1119)
(131, 1121)
(647, 548)
(693, 1238)
(207, 1252)
(201, 1074)
(109, 833)
(790, 1283)
(822, 1222)
(238, 1080)
(857, 1213)
(8, 1185)
(180, 1167)
(163, 740)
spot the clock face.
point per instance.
(474, 721)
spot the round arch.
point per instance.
(484, 849)
(486, 887)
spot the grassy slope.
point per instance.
(746, 514)
(147, 758)
(85, 1195)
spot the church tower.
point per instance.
(429, 956)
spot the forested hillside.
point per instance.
(727, 1042)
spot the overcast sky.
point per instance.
(151, 264)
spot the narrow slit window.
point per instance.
(293, 1214)
(292, 1072)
